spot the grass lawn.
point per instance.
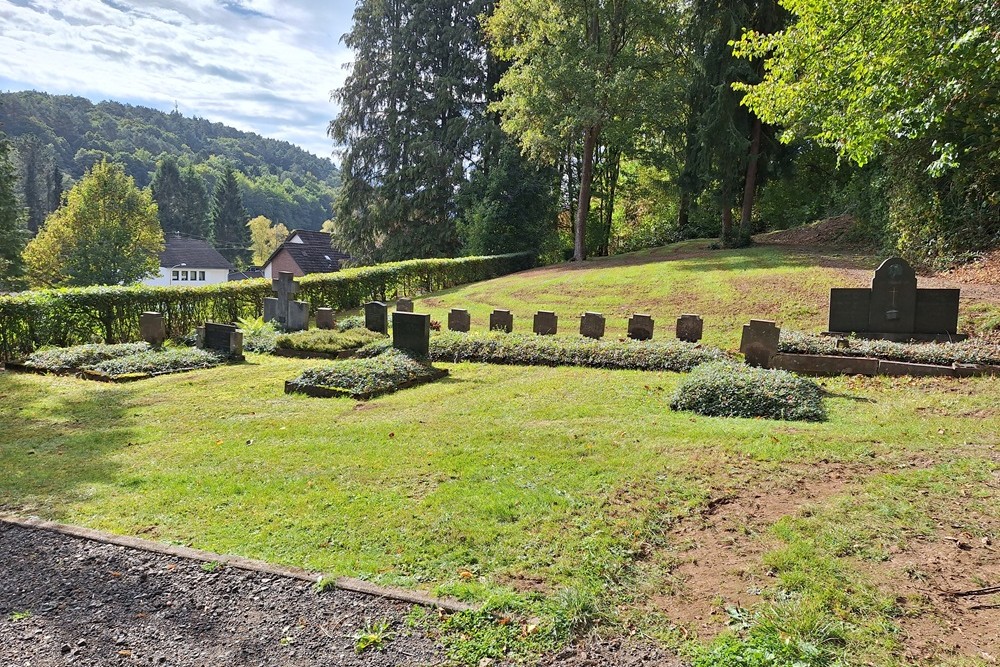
(570, 494)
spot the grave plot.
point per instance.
(116, 363)
(325, 343)
(363, 379)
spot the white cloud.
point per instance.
(259, 65)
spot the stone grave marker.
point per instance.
(690, 328)
(592, 325)
(459, 320)
(152, 329)
(324, 318)
(404, 305)
(225, 339)
(377, 317)
(759, 342)
(640, 327)
(545, 323)
(894, 309)
(501, 320)
(282, 309)
(411, 332)
(298, 316)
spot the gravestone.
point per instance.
(411, 332)
(459, 320)
(283, 309)
(501, 320)
(759, 342)
(324, 318)
(592, 325)
(377, 317)
(545, 323)
(640, 327)
(225, 339)
(690, 328)
(404, 305)
(151, 328)
(894, 309)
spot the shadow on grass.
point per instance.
(56, 440)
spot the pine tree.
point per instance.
(169, 195)
(36, 163)
(194, 206)
(229, 220)
(13, 233)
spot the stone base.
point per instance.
(901, 337)
(820, 364)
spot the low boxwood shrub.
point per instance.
(65, 359)
(153, 362)
(728, 389)
(327, 341)
(352, 322)
(368, 376)
(530, 349)
(966, 352)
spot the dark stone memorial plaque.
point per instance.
(545, 323)
(759, 342)
(894, 298)
(849, 309)
(459, 320)
(501, 320)
(377, 317)
(324, 318)
(690, 328)
(225, 339)
(937, 311)
(592, 325)
(640, 327)
(411, 332)
(404, 305)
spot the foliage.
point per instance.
(67, 316)
(154, 362)
(277, 179)
(61, 359)
(193, 209)
(762, 647)
(107, 233)
(365, 377)
(327, 341)
(970, 351)
(40, 181)
(229, 220)
(13, 233)
(168, 193)
(515, 348)
(352, 322)
(726, 389)
(372, 636)
(258, 335)
(265, 238)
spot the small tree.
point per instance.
(106, 233)
(265, 238)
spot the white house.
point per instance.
(187, 262)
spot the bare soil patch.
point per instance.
(985, 270)
(830, 233)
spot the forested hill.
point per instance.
(277, 179)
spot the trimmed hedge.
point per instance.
(30, 320)
(529, 349)
(966, 352)
(365, 378)
(726, 389)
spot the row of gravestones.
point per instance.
(545, 322)
(224, 339)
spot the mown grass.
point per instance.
(498, 476)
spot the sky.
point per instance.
(265, 66)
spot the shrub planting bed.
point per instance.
(116, 363)
(726, 389)
(530, 349)
(365, 378)
(945, 354)
(325, 343)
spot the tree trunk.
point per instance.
(727, 217)
(750, 186)
(683, 211)
(583, 204)
(614, 170)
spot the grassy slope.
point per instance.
(563, 477)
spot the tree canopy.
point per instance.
(13, 232)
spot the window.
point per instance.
(184, 275)
(201, 275)
(176, 275)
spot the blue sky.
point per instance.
(267, 66)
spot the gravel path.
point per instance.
(69, 601)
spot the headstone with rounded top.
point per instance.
(377, 317)
(690, 328)
(592, 325)
(894, 297)
(640, 327)
(501, 320)
(152, 329)
(459, 320)
(546, 323)
(760, 342)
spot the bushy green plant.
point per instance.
(728, 389)
(966, 352)
(529, 349)
(258, 335)
(327, 341)
(371, 376)
(352, 322)
(62, 359)
(154, 362)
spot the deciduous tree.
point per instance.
(265, 238)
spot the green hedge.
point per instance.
(327, 341)
(63, 317)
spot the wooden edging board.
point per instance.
(238, 562)
(332, 392)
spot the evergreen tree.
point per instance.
(229, 220)
(410, 115)
(13, 233)
(194, 208)
(55, 189)
(168, 192)
(36, 164)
